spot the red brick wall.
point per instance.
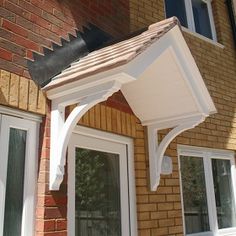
(27, 25)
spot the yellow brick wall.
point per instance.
(22, 93)
(145, 12)
(160, 213)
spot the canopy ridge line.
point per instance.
(156, 151)
(61, 128)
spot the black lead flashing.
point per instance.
(232, 18)
(45, 67)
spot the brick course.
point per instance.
(26, 26)
(30, 25)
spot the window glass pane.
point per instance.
(97, 190)
(234, 8)
(225, 206)
(201, 18)
(15, 183)
(194, 195)
(176, 8)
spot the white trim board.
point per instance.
(191, 23)
(207, 154)
(109, 143)
(20, 114)
(30, 173)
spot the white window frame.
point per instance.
(29, 123)
(207, 154)
(190, 18)
(234, 7)
(130, 219)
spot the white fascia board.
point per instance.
(87, 96)
(173, 40)
(171, 122)
(20, 114)
(88, 82)
(186, 150)
(191, 71)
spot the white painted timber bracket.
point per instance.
(62, 128)
(162, 84)
(156, 151)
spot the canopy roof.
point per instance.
(112, 56)
(158, 77)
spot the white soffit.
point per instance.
(168, 84)
(160, 93)
(162, 85)
(168, 92)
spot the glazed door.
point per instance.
(98, 187)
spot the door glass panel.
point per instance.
(194, 194)
(97, 194)
(15, 183)
(201, 18)
(225, 205)
(176, 8)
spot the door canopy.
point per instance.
(158, 77)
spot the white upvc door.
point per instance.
(18, 134)
(114, 147)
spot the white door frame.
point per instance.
(30, 172)
(108, 142)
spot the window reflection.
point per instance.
(201, 18)
(176, 8)
(97, 190)
(225, 206)
(15, 182)
(194, 195)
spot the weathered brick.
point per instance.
(175, 229)
(146, 207)
(147, 224)
(30, 7)
(166, 222)
(14, 28)
(216, 65)
(165, 206)
(160, 231)
(25, 23)
(51, 18)
(144, 216)
(14, 90)
(16, 9)
(157, 198)
(23, 93)
(8, 15)
(11, 46)
(19, 60)
(4, 54)
(41, 22)
(25, 43)
(9, 66)
(159, 215)
(61, 224)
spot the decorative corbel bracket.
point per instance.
(156, 151)
(61, 128)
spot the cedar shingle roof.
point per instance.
(114, 55)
